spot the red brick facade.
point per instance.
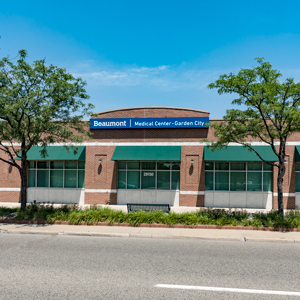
(101, 178)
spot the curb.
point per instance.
(155, 236)
(17, 222)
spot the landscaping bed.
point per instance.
(204, 218)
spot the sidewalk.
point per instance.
(149, 232)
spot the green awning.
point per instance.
(297, 153)
(56, 153)
(239, 153)
(154, 153)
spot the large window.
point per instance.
(148, 175)
(238, 176)
(56, 174)
(297, 177)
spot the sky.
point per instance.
(134, 53)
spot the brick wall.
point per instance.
(102, 176)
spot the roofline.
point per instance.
(147, 107)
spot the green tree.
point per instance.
(269, 113)
(39, 105)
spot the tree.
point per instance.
(39, 104)
(270, 113)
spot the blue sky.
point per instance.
(154, 53)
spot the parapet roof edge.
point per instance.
(145, 107)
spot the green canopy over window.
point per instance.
(56, 153)
(144, 153)
(297, 153)
(239, 153)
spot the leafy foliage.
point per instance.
(39, 104)
(270, 112)
(220, 217)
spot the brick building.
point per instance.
(155, 155)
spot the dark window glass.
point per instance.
(121, 179)
(31, 178)
(56, 178)
(163, 180)
(42, 178)
(148, 179)
(148, 165)
(268, 181)
(70, 164)
(175, 166)
(254, 181)
(70, 178)
(238, 181)
(254, 166)
(163, 166)
(222, 181)
(122, 165)
(238, 166)
(81, 179)
(133, 179)
(43, 164)
(81, 165)
(220, 166)
(133, 165)
(175, 181)
(56, 164)
(209, 181)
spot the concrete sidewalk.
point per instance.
(149, 232)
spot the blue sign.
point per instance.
(149, 123)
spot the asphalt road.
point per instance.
(74, 267)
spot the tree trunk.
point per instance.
(279, 186)
(23, 174)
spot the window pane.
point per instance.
(56, 178)
(268, 167)
(148, 180)
(133, 165)
(122, 180)
(222, 166)
(163, 165)
(31, 178)
(297, 166)
(133, 179)
(43, 164)
(32, 165)
(175, 180)
(81, 165)
(254, 166)
(254, 181)
(175, 166)
(122, 165)
(268, 181)
(163, 180)
(81, 179)
(238, 166)
(148, 165)
(70, 164)
(209, 166)
(209, 181)
(222, 181)
(70, 179)
(238, 181)
(56, 164)
(42, 178)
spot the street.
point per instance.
(78, 267)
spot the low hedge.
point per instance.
(219, 217)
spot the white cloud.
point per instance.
(160, 77)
